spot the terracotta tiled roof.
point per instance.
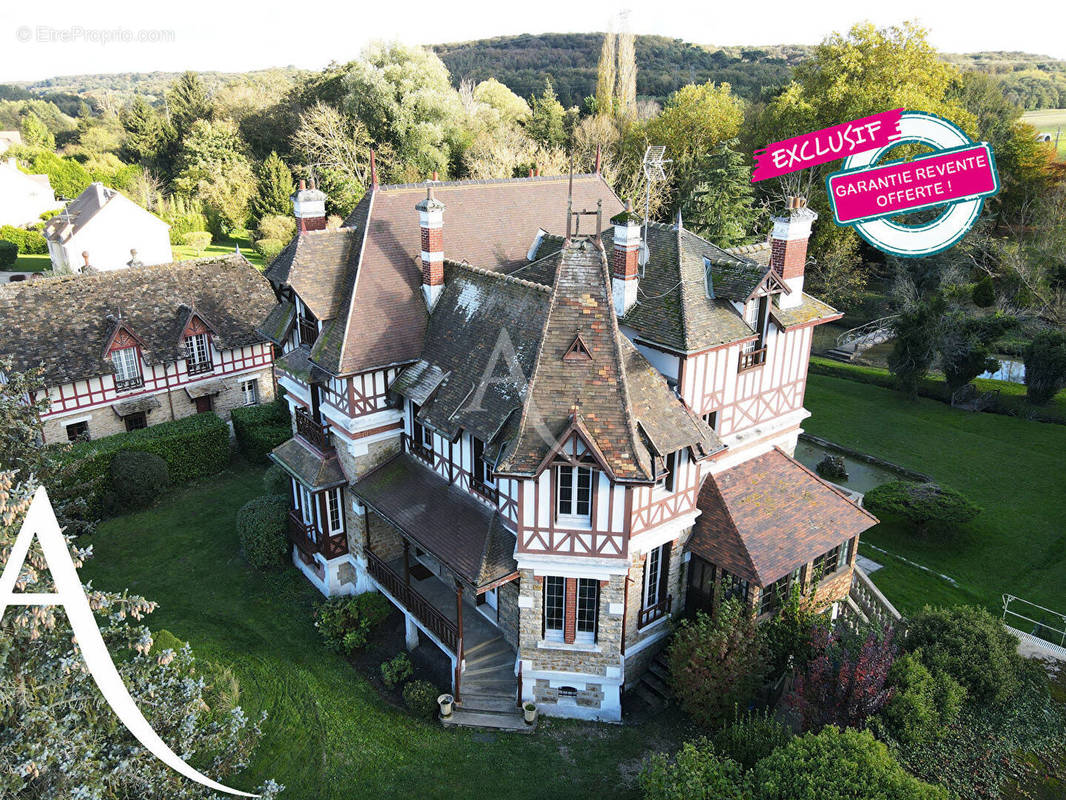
(464, 534)
(313, 469)
(765, 517)
(62, 323)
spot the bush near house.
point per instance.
(259, 429)
(269, 248)
(697, 772)
(420, 697)
(9, 254)
(396, 670)
(261, 529)
(198, 241)
(277, 481)
(138, 478)
(924, 703)
(925, 505)
(752, 737)
(192, 447)
(281, 227)
(27, 241)
(346, 622)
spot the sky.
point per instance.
(64, 37)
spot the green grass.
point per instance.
(221, 248)
(32, 262)
(1049, 120)
(329, 734)
(1011, 467)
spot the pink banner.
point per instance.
(942, 177)
(828, 144)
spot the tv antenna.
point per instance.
(653, 172)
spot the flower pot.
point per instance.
(529, 711)
(446, 701)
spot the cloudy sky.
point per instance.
(64, 37)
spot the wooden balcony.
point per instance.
(198, 367)
(429, 615)
(752, 359)
(416, 448)
(314, 433)
(308, 331)
(129, 384)
(486, 490)
(309, 540)
(648, 615)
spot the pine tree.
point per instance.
(627, 76)
(721, 207)
(188, 102)
(275, 187)
(605, 76)
(546, 124)
(145, 138)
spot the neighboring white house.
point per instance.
(106, 230)
(8, 139)
(23, 198)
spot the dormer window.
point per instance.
(757, 315)
(482, 481)
(708, 278)
(198, 354)
(127, 369)
(667, 480)
(573, 494)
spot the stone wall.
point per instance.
(383, 539)
(676, 583)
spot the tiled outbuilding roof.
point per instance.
(769, 515)
(310, 467)
(64, 323)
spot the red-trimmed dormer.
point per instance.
(123, 349)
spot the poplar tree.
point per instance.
(605, 76)
(627, 76)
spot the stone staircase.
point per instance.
(654, 685)
(489, 690)
(851, 343)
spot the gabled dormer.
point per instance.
(124, 349)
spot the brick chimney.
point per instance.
(788, 248)
(431, 221)
(624, 260)
(309, 206)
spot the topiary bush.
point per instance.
(198, 241)
(269, 248)
(420, 697)
(138, 478)
(261, 529)
(1045, 366)
(259, 429)
(281, 227)
(925, 505)
(396, 670)
(277, 481)
(832, 468)
(28, 242)
(346, 622)
(984, 292)
(9, 254)
(751, 737)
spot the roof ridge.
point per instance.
(540, 287)
(481, 181)
(113, 274)
(349, 301)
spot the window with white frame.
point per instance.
(667, 480)
(250, 392)
(656, 572)
(574, 493)
(554, 601)
(127, 368)
(197, 353)
(334, 512)
(588, 601)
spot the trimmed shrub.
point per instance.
(261, 529)
(138, 478)
(28, 242)
(269, 248)
(925, 505)
(277, 481)
(420, 697)
(752, 737)
(695, 773)
(192, 447)
(716, 663)
(396, 670)
(165, 640)
(971, 646)
(837, 763)
(276, 226)
(984, 292)
(9, 254)
(1045, 366)
(197, 240)
(923, 703)
(346, 622)
(259, 429)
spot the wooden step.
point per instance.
(489, 720)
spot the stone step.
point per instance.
(840, 355)
(489, 686)
(504, 658)
(656, 685)
(660, 670)
(492, 672)
(512, 722)
(650, 698)
(504, 704)
(486, 646)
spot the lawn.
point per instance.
(1012, 467)
(329, 734)
(221, 248)
(1050, 120)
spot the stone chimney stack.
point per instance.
(309, 207)
(431, 221)
(788, 248)
(624, 260)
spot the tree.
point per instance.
(924, 505)
(35, 133)
(626, 93)
(914, 348)
(511, 108)
(212, 165)
(716, 663)
(605, 76)
(965, 349)
(337, 148)
(697, 772)
(146, 138)
(721, 207)
(788, 638)
(837, 764)
(275, 187)
(1045, 366)
(187, 102)
(546, 122)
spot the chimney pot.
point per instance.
(303, 184)
(431, 222)
(85, 255)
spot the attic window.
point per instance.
(577, 351)
(708, 278)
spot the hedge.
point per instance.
(28, 242)
(259, 429)
(1011, 400)
(193, 447)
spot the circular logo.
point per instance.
(914, 241)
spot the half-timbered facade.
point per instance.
(132, 348)
(531, 435)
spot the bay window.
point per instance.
(571, 609)
(573, 494)
(588, 601)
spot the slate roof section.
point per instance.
(61, 323)
(320, 264)
(482, 340)
(811, 310)
(464, 534)
(765, 517)
(278, 323)
(311, 468)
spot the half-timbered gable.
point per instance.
(131, 348)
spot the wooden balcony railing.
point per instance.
(648, 615)
(198, 367)
(308, 539)
(415, 447)
(435, 621)
(308, 331)
(316, 433)
(125, 385)
(486, 490)
(752, 359)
